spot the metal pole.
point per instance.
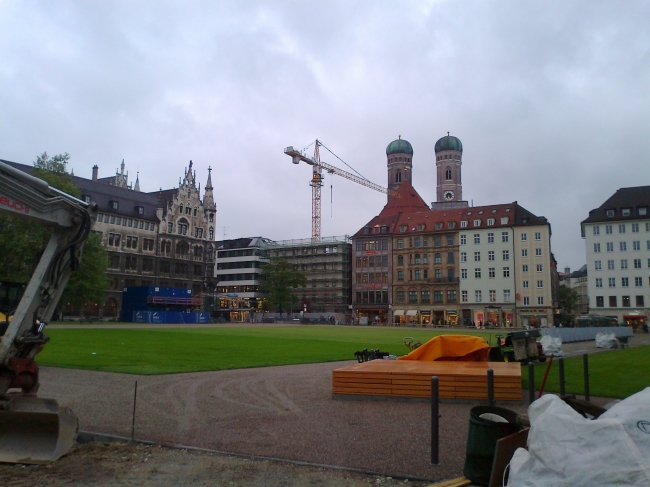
(490, 379)
(135, 395)
(531, 383)
(562, 384)
(585, 361)
(435, 415)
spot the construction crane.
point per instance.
(317, 181)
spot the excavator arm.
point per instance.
(34, 430)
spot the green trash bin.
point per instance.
(482, 440)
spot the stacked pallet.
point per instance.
(412, 378)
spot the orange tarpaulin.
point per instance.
(451, 348)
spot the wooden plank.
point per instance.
(459, 482)
(503, 453)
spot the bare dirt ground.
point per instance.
(117, 465)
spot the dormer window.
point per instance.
(643, 211)
(524, 221)
(477, 223)
(384, 229)
(402, 229)
(490, 222)
(480, 212)
(139, 210)
(452, 225)
(420, 228)
(86, 198)
(504, 220)
(494, 210)
(366, 230)
(609, 213)
(626, 212)
(463, 224)
(113, 204)
(438, 226)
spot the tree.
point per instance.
(23, 240)
(567, 301)
(279, 279)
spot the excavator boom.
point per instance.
(34, 430)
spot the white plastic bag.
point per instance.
(566, 449)
(606, 340)
(552, 345)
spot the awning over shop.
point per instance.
(412, 312)
(398, 312)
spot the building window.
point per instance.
(417, 242)
(490, 237)
(490, 255)
(463, 256)
(131, 263)
(524, 252)
(418, 275)
(540, 300)
(477, 257)
(636, 245)
(596, 230)
(437, 259)
(450, 257)
(413, 297)
(524, 268)
(491, 273)
(596, 247)
(597, 265)
(612, 281)
(400, 275)
(638, 281)
(131, 242)
(610, 246)
(114, 205)
(504, 237)
(477, 223)
(539, 267)
(599, 282)
(463, 239)
(538, 252)
(211, 234)
(610, 265)
(635, 228)
(625, 281)
(400, 260)
(525, 284)
(600, 302)
(623, 263)
(640, 302)
(477, 273)
(505, 254)
(437, 296)
(114, 239)
(493, 296)
(477, 239)
(526, 301)
(463, 224)
(504, 220)
(400, 243)
(506, 272)
(417, 258)
(524, 236)
(448, 174)
(425, 296)
(621, 228)
(437, 241)
(623, 246)
(463, 273)
(506, 295)
(540, 284)
(538, 235)
(114, 262)
(490, 222)
(612, 302)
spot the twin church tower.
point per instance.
(449, 155)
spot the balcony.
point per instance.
(443, 280)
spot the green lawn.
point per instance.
(167, 351)
(617, 373)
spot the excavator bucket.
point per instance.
(35, 431)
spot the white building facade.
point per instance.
(617, 244)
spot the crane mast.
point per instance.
(316, 182)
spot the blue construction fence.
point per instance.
(165, 317)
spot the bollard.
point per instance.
(585, 361)
(531, 383)
(135, 396)
(435, 415)
(490, 379)
(562, 385)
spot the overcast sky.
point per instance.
(551, 100)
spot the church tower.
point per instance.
(399, 154)
(449, 189)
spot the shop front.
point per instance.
(412, 317)
(399, 317)
(637, 321)
(372, 315)
(534, 318)
(425, 317)
(452, 317)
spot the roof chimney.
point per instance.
(95, 172)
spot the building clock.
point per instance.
(449, 195)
